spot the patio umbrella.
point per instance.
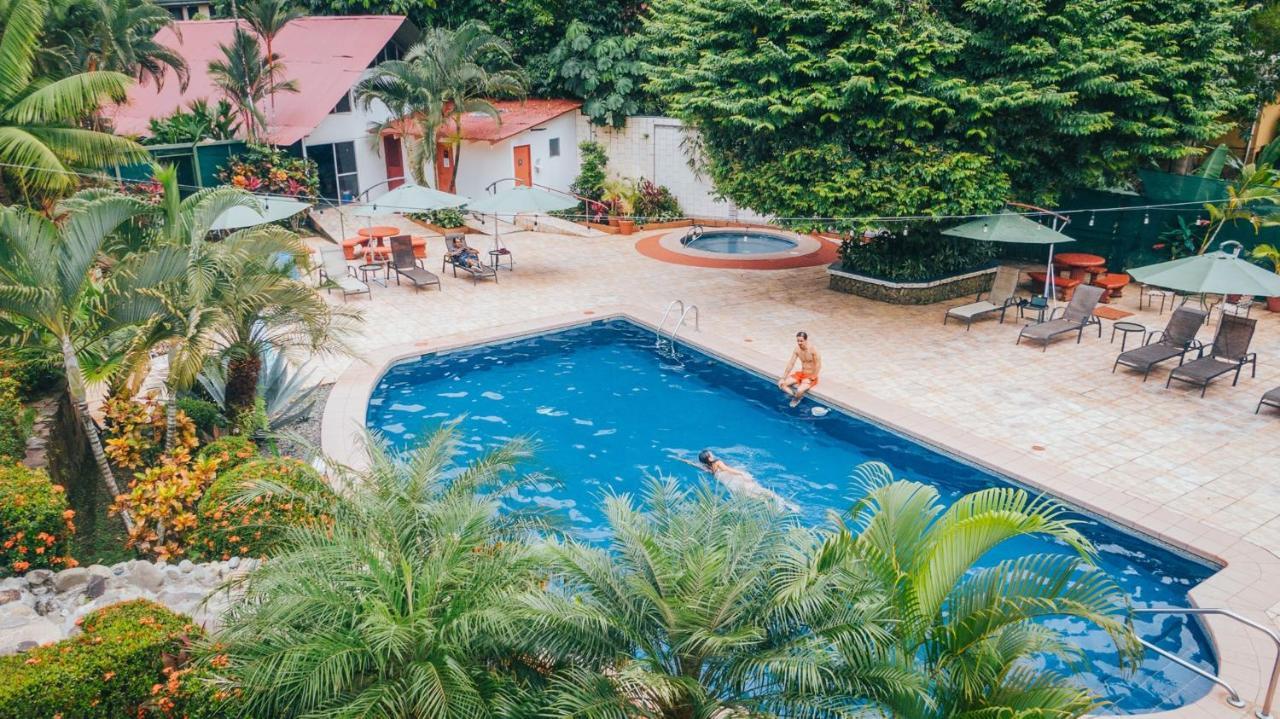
(270, 209)
(1013, 228)
(416, 198)
(1213, 273)
(520, 199)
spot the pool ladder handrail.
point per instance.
(695, 232)
(675, 330)
(1234, 699)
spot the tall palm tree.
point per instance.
(247, 77)
(411, 93)
(49, 276)
(976, 630)
(396, 608)
(268, 18)
(122, 38)
(43, 141)
(705, 605)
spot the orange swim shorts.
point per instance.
(802, 376)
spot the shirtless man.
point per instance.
(810, 367)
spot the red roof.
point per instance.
(325, 55)
(517, 116)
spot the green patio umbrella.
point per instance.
(415, 198)
(520, 199)
(1013, 228)
(1214, 273)
(269, 209)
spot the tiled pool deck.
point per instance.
(1200, 473)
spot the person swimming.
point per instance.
(735, 480)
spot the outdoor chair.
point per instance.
(1271, 399)
(1240, 308)
(1177, 338)
(1230, 353)
(1075, 318)
(999, 299)
(477, 272)
(405, 265)
(335, 272)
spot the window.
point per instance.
(336, 164)
(553, 147)
(344, 104)
(390, 51)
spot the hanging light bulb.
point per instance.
(906, 230)
(1091, 219)
(985, 228)
(1146, 219)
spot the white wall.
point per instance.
(481, 162)
(655, 148)
(354, 127)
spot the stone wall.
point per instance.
(45, 606)
(911, 293)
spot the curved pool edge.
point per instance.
(1248, 582)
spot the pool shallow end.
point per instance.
(1249, 581)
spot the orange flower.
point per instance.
(21, 566)
(108, 676)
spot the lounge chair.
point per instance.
(1075, 318)
(1177, 338)
(1230, 353)
(999, 299)
(405, 265)
(476, 272)
(335, 272)
(1271, 399)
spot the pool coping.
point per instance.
(805, 245)
(1248, 582)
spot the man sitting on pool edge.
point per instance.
(810, 366)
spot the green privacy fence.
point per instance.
(197, 165)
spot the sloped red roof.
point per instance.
(324, 55)
(517, 116)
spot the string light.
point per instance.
(984, 227)
(1146, 218)
(1091, 216)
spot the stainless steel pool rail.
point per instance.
(657, 340)
(1264, 712)
(675, 329)
(697, 325)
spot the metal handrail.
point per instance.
(658, 335)
(1234, 697)
(586, 201)
(695, 231)
(1265, 711)
(697, 325)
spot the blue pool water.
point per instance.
(741, 242)
(609, 410)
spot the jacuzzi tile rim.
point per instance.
(1248, 582)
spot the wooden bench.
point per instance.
(1113, 282)
(1064, 286)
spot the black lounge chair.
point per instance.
(405, 265)
(1230, 353)
(1177, 338)
(1001, 297)
(1271, 399)
(477, 272)
(1075, 318)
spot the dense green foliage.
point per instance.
(106, 672)
(117, 35)
(655, 203)
(15, 420)
(603, 69)
(206, 415)
(921, 256)
(231, 451)
(591, 171)
(35, 521)
(285, 492)
(199, 122)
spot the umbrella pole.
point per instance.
(1049, 294)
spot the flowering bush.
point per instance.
(188, 693)
(265, 169)
(135, 431)
(447, 217)
(15, 421)
(35, 522)
(655, 203)
(230, 451)
(163, 502)
(252, 528)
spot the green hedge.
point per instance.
(206, 415)
(105, 673)
(15, 420)
(231, 451)
(35, 521)
(252, 528)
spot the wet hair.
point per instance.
(706, 457)
(803, 334)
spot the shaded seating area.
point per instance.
(405, 265)
(1000, 298)
(1077, 316)
(476, 270)
(1177, 338)
(336, 273)
(354, 248)
(1270, 399)
(1229, 353)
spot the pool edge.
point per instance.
(1242, 584)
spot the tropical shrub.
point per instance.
(197, 123)
(264, 169)
(35, 376)
(15, 421)
(602, 68)
(655, 203)
(36, 524)
(921, 256)
(188, 692)
(135, 431)
(205, 415)
(591, 172)
(163, 500)
(249, 509)
(106, 672)
(231, 451)
(445, 217)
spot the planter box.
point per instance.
(603, 228)
(967, 284)
(665, 225)
(443, 230)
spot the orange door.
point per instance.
(444, 167)
(524, 169)
(395, 161)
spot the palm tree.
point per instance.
(396, 607)
(705, 605)
(122, 38)
(246, 77)
(268, 18)
(43, 143)
(441, 78)
(975, 629)
(1254, 191)
(49, 277)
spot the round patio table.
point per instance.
(1079, 263)
(378, 232)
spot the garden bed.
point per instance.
(444, 230)
(911, 293)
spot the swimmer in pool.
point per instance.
(735, 480)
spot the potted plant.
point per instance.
(1271, 254)
(620, 194)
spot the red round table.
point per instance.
(378, 232)
(1078, 263)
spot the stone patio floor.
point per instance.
(1210, 458)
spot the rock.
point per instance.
(13, 615)
(180, 601)
(36, 577)
(48, 605)
(100, 570)
(119, 569)
(186, 565)
(69, 579)
(9, 595)
(172, 574)
(202, 575)
(97, 586)
(18, 583)
(33, 633)
(146, 576)
(233, 563)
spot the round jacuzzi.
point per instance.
(739, 242)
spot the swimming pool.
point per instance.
(740, 242)
(609, 410)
